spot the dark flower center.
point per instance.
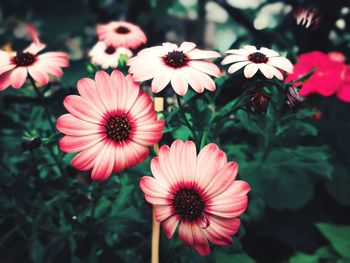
(118, 128)
(258, 57)
(176, 59)
(188, 204)
(122, 30)
(24, 59)
(110, 50)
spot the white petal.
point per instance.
(250, 70)
(237, 66)
(282, 63)
(268, 52)
(267, 70)
(187, 46)
(233, 58)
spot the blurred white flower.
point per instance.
(269, 16)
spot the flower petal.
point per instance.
(169, 225)
(237, 66)
(104, 163)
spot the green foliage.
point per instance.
(338, 236)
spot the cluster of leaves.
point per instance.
(297, 166)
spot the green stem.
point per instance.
(46, 109)
(184, 116)
(55, 159)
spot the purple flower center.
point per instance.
(188, 204)
(176, 59)
(122, 30)
(258, 57)
(24, 59)
(110, 50)
(118, 128)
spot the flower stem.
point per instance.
(46, 109)
(184, 116)
(159, 107)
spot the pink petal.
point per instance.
(142, 106)
(107, 90)
(134, 153)
(87, 89)
(222, 180)
(200, 241)
(82, 109)
(79, 143)
(118, 80)
(169, 225)
(228, 207)
(133, 91)
(185, 233)
(210, 160)
(220, 230)
(38, 75)
(6, 67)
(85, 160)
(70, 125)
(104, 163)
(163, 212)
(163, 177)
(154, 192)
(18, 77)
(5, 80)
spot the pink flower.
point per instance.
(307, 18)
(111, 124)
(107, 56)
(331, 75)
(180, 66)
(15, 67)
(121, 34)
(266, 60)
(198, 193)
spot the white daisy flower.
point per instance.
(266, 60)
(107, 56)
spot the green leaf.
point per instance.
(338, 236)
(323, 254)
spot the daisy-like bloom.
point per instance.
(107, 56)
(306, 18)
(15, 67)
(266, 60)
(198, 193)
(180, 66)
(111, 124)
(121, 34)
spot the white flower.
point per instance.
(266, 60)
(107, 56)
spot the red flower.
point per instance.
(111, 124)
(198, 193)
(331, 75)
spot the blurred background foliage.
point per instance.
(297, 162)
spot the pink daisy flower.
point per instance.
(107, 56)
(15, 67)
(180, 66)
(198, 193)
(307, 18)
(111, 124)
(121, 34)
(266, 60)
